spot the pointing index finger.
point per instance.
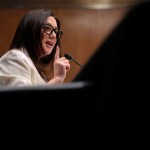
(57, 53)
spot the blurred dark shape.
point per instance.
(120, 72)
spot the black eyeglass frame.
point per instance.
(56, 31)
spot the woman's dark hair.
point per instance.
(28, 36)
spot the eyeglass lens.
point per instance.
(48, 29)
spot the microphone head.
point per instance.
(67, 56)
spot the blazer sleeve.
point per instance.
(16, 70)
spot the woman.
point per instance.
(36, 44)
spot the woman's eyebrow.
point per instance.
(51, 25)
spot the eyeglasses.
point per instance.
(48, 29)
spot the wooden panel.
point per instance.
(84, 30)
(62, 3)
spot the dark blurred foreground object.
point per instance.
(108, 100)
(120, 72)
(61, 114)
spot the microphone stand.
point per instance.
(67, 56)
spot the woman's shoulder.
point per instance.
(15, 53)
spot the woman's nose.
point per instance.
(52, 35)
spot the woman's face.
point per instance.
(48, 38)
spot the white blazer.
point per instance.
(17, 69)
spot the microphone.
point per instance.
(67, 56)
